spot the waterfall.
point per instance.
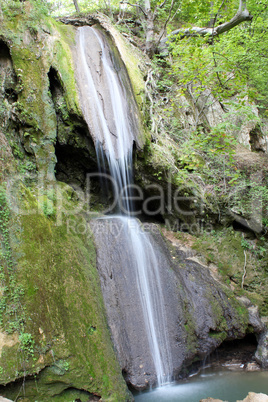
(107, 116)
(118, 151)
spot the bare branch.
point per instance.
(216, 15)
(242, 4)
(162, 4)
(244, 271)
(149, 88)
(157, 7)
(134, 5)
(166, 22)
(173, 16)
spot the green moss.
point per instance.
(10, 362)
(225, 249)
(189, 326)
(220, 336)
(36, 43)
(132, 59)
(70, 395)
(63, 63)
(218, 249)
(62, 302)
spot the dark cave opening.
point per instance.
(243, 227)
(4, 51)
(8, 74)
(237, 350)
(77, 166)
(55, 85)
(235, 354)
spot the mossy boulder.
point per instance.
(64, 340)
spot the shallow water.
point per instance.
(222, 384)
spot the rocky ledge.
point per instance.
(252, 397)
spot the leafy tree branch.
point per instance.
(241, 16)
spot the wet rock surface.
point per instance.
(200, 312)
(94, 50)
(262, 351)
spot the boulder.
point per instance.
(253, 315)
(253, 397)
(262, 350)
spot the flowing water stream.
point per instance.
(220, 384)
(114, 139)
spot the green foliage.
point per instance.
(27, 344)
(12, 8)
(226, 64)
(38, 10)
(200, 12)
(217, 247)
(66, 7)
(11, 312)
(203, 66)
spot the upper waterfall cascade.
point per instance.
(108, 116)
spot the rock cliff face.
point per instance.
(201, 313)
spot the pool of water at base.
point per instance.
(223, 384)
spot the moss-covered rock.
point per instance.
(36, 46)
(64, 339)
(54, 335)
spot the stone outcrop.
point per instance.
(201, 108)
(201, 313)
(262, 350)
(252, 397)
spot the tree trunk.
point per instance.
(149, 44)
(76, 6)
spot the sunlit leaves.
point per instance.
(66, 7)
(229, 64)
